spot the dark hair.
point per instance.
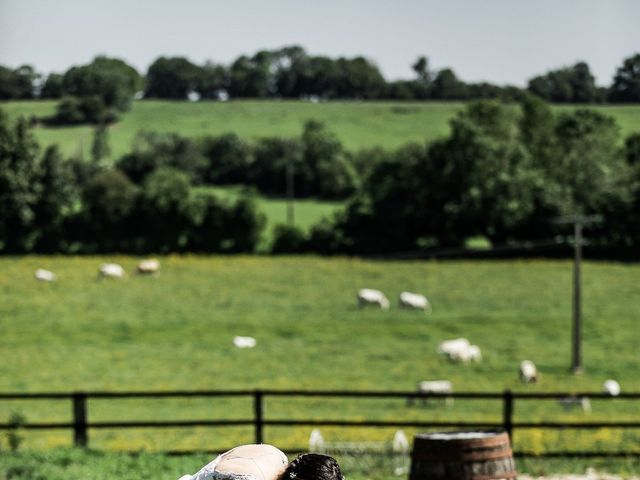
(313, 466)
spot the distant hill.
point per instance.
(357, 124)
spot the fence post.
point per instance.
(257, 409)
(80, 434)
(507, 413)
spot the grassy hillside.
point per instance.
(175, 331)
(357, 124)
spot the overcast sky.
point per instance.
(501, 41)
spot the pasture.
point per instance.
(357, 124)
(175, 331)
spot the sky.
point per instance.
(500, 41)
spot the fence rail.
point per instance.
(81, 425)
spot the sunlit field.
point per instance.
(357, 124)
(175, 331)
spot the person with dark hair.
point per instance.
(313, 466)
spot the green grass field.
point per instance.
(357, 124)
(175, 331)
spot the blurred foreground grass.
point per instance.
(73, 464)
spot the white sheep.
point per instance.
(471, 354)
(244, 342)
(369, 296)
(528, 372)
(611, 387)
(433, 386)
(449, 346)
(45, 275)
(460, 350)
(415, 301)
(149, 266)
(111, 270)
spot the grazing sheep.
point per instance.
(368, 296)
(414, 301)
(45, 275)
(149, 266)
(528, 372)
(611, 387)
(471, 354)
(111, 270)
(433, 386)
(244, 342)
(460, 350)
(449, 346)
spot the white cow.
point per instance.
(244, 342)
(45, 275)
(111, 270)
(368, 296)
(611, 387)
(149, 266)
(414, 301)
(528, 372)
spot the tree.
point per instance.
(328, 172)
(153, 150)
(446, 86)
(228, 157)
(100, 146)
(253, 76)
(112, 80)
(163, 219)
(626, 83)
(213, 79)
(487, 181)
(573, 84)
(172, 77)
(421, 67)
(18, 185)
(358, 78)
(52, 87)
(58, 195)
(589, 168)
(537, 125)
(632, 149)
(108, 200)
(17, 84)
(272, 157)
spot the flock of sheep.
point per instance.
(107, 270)
(458, 350)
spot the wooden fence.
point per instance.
(80, 425)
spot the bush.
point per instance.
(288, 239)
(77, 110)
(229, 159)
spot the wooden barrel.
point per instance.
(483, 455)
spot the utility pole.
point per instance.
(290, 193)
(576, 325)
